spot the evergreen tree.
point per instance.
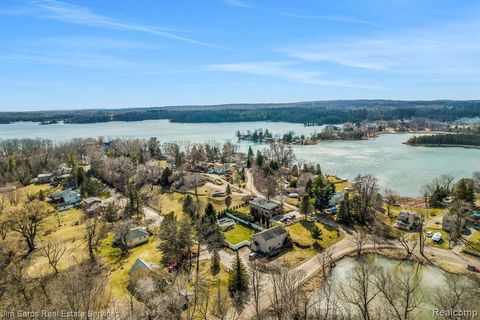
(189, 206)
(165, 178)
(305, 205)
(249, 162)
(260, 159)
(345, 211)
(250, 152)
(210, 212)
(228, 201)
(316, 232)
(228, 191)
(464, 190)
(238, 278)
(215, 262)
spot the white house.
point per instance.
(269, 240)
(66, 197)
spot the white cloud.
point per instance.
(287, 71)
(451, 49)
(75, 14)
(236, 3)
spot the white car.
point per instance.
(429, 234)
(437, 236)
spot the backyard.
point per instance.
(238, 234)
(301, 234)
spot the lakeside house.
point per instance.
(141, 266)
(451, 223)
(269, 241)
(134, 237)
(408, 220)
(260, 207)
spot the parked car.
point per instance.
(472, 268)
(173, 267)
(429, 234)
(252, 256)
(311, 219)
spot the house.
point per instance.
(96, 209)
(134, 237)
(142, 266)
(262, 207)
(408, 220)
(269, 241)
(337, 198)
(43, 178)
(66, 197)
(89, 202)
(451, 223)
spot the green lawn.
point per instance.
(300, 233)
(443, 244)
(238, 234)
(474, 242)
(119, 266)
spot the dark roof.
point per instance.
(265, 204)
(271, 233)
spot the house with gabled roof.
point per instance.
(142, 266)
(134, 237)
(269, 241)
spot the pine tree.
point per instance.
(215, 262)
(228, 191)
(228, 201)
(305, 205)
(238, 278)
(165, 178)
(344, 213)
(210, 212)
(188, 205)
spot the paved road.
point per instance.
(345, 247)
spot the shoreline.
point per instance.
(393, 253)
(442, 145)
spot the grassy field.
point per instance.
(119, 266)
(300, 233)
(474, 242)
(238, 234)
(213, 280)
(443, 244)
(295, 256)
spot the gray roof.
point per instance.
(337, 198)
(142, 265)
(137, 233)
(265, 204)
(271, 233)
(92, 200)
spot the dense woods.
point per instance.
(319, 112)
(446, 139)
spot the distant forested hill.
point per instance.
(446, 139)
(321, 112)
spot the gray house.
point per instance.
(270, 240)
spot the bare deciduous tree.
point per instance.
(53, 251)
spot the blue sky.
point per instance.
(111, 53)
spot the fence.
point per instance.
(245, 222)
(239, 245)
